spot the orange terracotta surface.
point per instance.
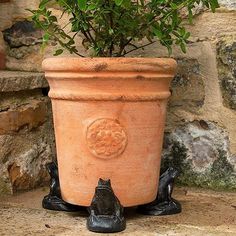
(109, 117)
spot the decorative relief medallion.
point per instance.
(106, 138)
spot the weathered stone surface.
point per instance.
(230, 4)
(209, 26)
(5, 15)
(22, 33)
(2, 53)
(26, 141)
(200, 151)
(23, 50)
(23, 158)
(17, 80)
(30, 116)
(226, 56)
(31, 62)
(26, 132)
(205, 213)
(20, 6)
(2, 60)
(187, 86)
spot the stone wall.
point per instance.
(200, 137)
(26, 133)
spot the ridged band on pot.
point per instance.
(109, 116)
(120, 71)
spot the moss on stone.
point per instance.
(226, 58)
(220, 176)
(176, 159)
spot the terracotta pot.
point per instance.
(109, 117)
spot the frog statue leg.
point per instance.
(54, 201)
(106, 212)
(164, 204)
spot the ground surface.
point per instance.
(204, 213)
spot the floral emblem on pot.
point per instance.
(106, 138)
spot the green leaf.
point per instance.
(118, 2)
(157, 32)
(46, 37)
(190, 15)
(43, 3)
(182, 31)
(173, 6)
(82, 4)
(214, 4)
(111, 31)
(187, 35)
(183, 47)
(92, 7)
(126, 4)
(58, 52)
(53, 18)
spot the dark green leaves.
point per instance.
(82, 4)
(43, 3)
(118, 2)
(58, 52)
(113, 27)
(214, 4)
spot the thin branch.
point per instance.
(122, 46)
(142, 46)
(133, 45)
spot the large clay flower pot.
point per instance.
(109, 118)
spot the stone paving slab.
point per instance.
(204, 213)
(11, 81)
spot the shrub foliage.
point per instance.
(111, 28)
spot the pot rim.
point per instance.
(110, 64)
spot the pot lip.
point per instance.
(109, 64)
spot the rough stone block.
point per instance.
(230, 4)
(226, 58)
(199, 150)
(26, 140)
(5, 15)
(22, 33)
(2, 59)
(23, 44)
(23, 158)
(26, 131)
(32, 116)
(20, 6)
(187, 86)
(11, 81)
(2, 53)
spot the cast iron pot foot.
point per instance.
(57, 204)
(164, 204)
(53, 200)
(106, 212)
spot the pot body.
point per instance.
(109, 116)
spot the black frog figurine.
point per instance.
(164, 204)
(54, 201)
(106, 212)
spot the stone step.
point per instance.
(11, 81)
(204, 213)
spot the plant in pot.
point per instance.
(109, 109)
